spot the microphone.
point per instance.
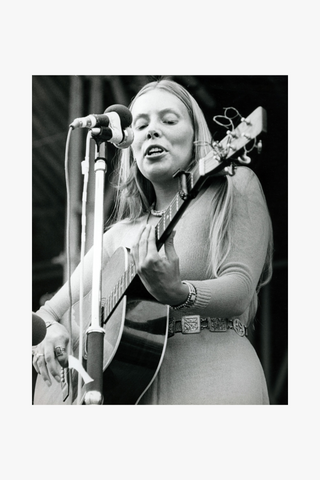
(113, 125)
(39, 329)
(105, 134)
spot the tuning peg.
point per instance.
(259, 146)
(230, 170)
(244, 159)
(245, 135)
(245, 121)
(232, 134)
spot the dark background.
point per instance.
(57, 100)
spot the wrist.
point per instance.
(181, 295)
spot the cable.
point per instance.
(66, 164)
(68, 228)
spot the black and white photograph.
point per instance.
(170, 192)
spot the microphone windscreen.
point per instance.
(123, 112)
(39, 329)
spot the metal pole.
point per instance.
(95, 333)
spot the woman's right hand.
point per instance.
(52, 353)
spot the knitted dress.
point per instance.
(208, 368)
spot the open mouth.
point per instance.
(154, 150)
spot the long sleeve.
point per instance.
(233, 291)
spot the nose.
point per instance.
(152, 133)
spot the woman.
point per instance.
(212, 265)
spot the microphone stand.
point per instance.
(95, 333)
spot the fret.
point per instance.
(132, 271)
(190, 181)
(108, 308)
(161, 229)
(121, 286)
(111, 301)
(158, 231)
(195, 175)
(168, 214)
(116, 294)
(180, 202)
(113, 298)
(126, 278)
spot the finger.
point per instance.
(42, 367)
(141, 248)
(35, 362)
(144, 242)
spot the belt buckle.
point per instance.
(190, 324)
(217, 325)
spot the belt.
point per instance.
(190, 324)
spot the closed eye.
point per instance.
(140, 126)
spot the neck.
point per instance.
(164, 195)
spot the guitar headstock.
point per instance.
(218, 161)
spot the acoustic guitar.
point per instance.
(135, 324)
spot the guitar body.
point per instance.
(134, 344)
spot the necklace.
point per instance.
(157, 213)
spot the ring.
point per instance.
(59, 351)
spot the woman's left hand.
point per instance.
(159, 274)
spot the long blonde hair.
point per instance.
(135, 193)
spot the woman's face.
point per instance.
(163, 135)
